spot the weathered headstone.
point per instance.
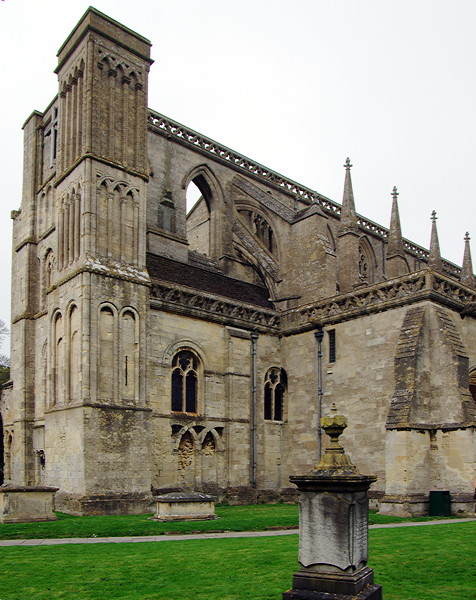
(333, 527)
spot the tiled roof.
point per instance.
(206, 281)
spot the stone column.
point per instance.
(333, 527)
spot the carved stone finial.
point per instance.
(467, 276)
(396, 265)
(335, 457)
(434, 257)
(348, 217)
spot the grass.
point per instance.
(256, 517)
(421, 563)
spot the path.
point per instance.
(201, 536)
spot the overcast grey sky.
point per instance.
(297, 85)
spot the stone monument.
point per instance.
(185, 506)
(27, 504)
(333, 527)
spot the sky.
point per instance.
(297, 85)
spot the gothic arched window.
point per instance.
(275, 385)
(367, 262)
(185, 382)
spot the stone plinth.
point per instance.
(404, 505)
(26, 504)
(185, 506)
(333, 521)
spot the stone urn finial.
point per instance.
(335, 458)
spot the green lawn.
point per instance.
(421, 563)
(256, 517)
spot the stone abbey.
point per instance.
(155, 350)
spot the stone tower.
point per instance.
(92, 282)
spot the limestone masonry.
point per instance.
(157, 351)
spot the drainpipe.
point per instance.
(254, 340)
(319, 335)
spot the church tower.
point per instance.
(91, 308)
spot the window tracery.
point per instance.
(367, 262)
(363, 265)
(185, 382)
(275, 386)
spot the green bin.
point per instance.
(440, 504)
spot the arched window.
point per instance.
(198, 196)
(74, 354)
(185, 382)
(275, 386)
(366, 262)
(129, 347)
(58, 359)
(106, 354)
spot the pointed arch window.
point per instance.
(185, 367)
(366, 262)
(275, 386)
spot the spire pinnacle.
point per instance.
(467, 276)
(348, 216)
(395, 240)
(434, 259)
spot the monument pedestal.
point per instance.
(331, 586)
(333, 537)
(23, 504)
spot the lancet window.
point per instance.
(185, 368)
(275, 386)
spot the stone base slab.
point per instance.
(22, 504)
(184, 518)
(371, 592)
(417, 505)
(399, 505)
(310, 585)
(340, 583)
(105, 504)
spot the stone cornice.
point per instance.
(409, 289)
(182, 300)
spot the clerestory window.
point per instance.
(185, 382)
(275, 386)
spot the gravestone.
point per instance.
(333, 522)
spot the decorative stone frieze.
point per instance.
(211, 307)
